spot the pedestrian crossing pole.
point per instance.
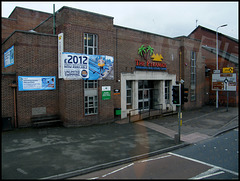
(179, 117)
(177, 99)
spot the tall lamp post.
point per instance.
(217, 60)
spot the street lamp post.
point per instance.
(217, 60)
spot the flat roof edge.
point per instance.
(27, 32)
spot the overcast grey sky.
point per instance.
(169, 19)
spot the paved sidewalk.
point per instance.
(47, 153)
(197, 125)
(207, 121)
(189, 138)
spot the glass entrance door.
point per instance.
(143, 99)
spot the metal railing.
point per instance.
(146, 112)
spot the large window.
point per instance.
(167, 84)
(91, 98)
(90, 86)
(129, 94)
(90, 44)
(193, 76)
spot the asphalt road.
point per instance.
(49, 152)
(215, 158)
(221, 153)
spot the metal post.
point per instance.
(179, 117)
(217, 65)
(15, 107)
(217, 60)
(54, 23)
(227, 101)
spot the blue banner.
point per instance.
(31, 83)
(101, 67)
(9, 57)
(78, 66)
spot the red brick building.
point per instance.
(227, 57)
(140, 82)
(22, 19)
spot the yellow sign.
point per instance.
(228, 70)
(157, 57)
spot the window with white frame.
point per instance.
(129, 93)
(90, 97)
(91, 105)
(90, 44)
(193, 76)
(167, 84)
(90, 86)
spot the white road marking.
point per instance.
(204, 163)
(22, 171)
(206, 176)
(203, 174)
(155, 158)
(118, 170)
(93, 178)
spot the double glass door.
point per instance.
(143, 99)
(145, 88)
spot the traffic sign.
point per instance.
(228, 70)
(216, 71)
(217, 86)
(224, 82)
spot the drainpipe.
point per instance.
(14, 86)
(180, 65)
(54, 19)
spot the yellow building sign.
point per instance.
(228, 70)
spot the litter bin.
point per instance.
(117, 111)
(6, 123)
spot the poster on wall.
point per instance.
(75, 66)
(9, 57)
(106, 92)
(101, 67)
(60, 50)
(31, 83)
(94, 67)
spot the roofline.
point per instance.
(75, 9)
(221, 52)
(28, 10)
(117, 26)
(212, 31)
(12, 19)
(28, 32)
(66, 7)
(183, 36)
(43, 21)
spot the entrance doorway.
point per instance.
(145, 88)
(143, 99)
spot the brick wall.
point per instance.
(227, 44)
(77, 23)
(8, 75)
(128, 42)
(34, 55)
(208, 37)
(22, 19)
(211, 96)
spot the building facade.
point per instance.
(145, 67)
(227, 57)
